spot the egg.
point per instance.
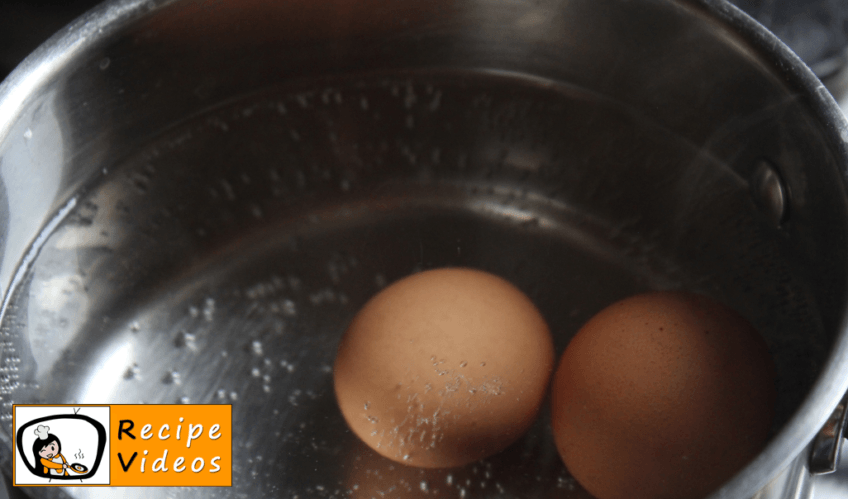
(662, 395)
(443, 368)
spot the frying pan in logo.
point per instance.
(79, 468)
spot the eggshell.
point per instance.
(662, 395)
(443, 368)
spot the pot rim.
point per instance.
(60, 50)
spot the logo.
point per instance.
(61, 445)
(123, 445)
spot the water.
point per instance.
(224, 260)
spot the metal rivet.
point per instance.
(770, 192)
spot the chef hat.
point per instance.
(41, 431)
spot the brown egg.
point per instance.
(662, 395)
(443, 368)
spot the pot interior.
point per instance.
(219, 259)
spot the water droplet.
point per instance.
(185, 400)
(367, 404)
(255, 372)
(28, 134)
(424, 486)
(266, 388)
(233, 396)
(449, 479)
(463, 364)
(222, 394)
(134, 327)
(104, 63)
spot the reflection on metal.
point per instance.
(106, 377)
(834, 485)
(769, 193)
(824, 456)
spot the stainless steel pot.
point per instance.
(195, 198)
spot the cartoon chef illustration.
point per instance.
(47, 450)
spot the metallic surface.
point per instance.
(195, 198)
(824, 456)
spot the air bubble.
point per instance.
(132, 372)
(208, 309)
(256, 211)
(380, 281)
(172, 377)
(289, 308)
(185, 339)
